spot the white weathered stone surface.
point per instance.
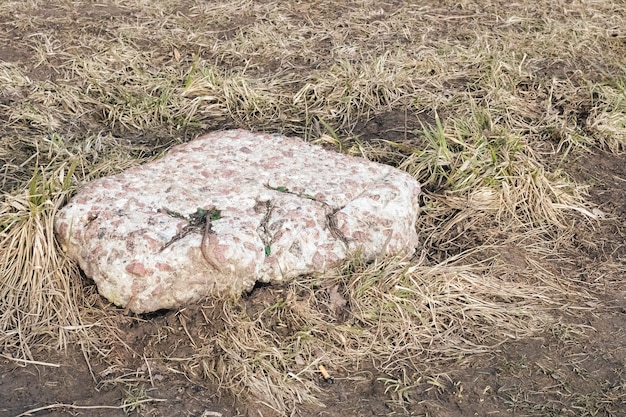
(286, 208)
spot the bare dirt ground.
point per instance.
(60, 89)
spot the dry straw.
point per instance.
(40, 292)
(478, 101)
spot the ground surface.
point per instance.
(551, 374)
(575, 366)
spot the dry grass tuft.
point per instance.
(41, 288)
(401, 318)
(608, 121)
(40, 291)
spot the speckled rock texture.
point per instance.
(229, 209)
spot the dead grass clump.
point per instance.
(608, 116)
(398, 317)
(401, 318)
(40, 290)
(474, 171)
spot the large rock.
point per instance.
(231, 208)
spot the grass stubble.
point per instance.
(483, 100)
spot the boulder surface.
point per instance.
(229, 209)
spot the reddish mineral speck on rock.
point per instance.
(136, 268)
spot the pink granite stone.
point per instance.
(229, 209)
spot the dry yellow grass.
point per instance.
(482, 97)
